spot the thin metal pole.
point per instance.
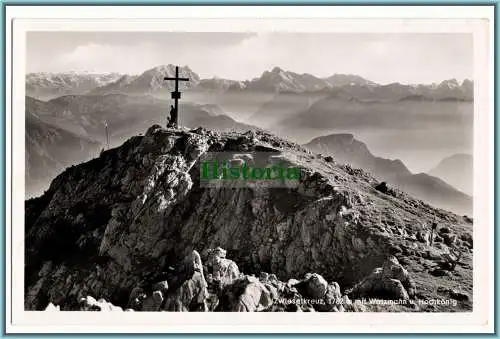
(107, 134)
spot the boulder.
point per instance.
(391, 281)
(433, 254)
(161, 286)
(438, 272)
(90, 304)
(459, 295)
(467, 239)
(52, 308)
(153, 302)
(192, 293)
(223, 270)
(246, 294)
(136, 297)
(449, 239)
(332, 300)
(395, 288)
(313, 286)
(444, 230)
(423, 237)
(382, 187)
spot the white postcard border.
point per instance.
(475, 19)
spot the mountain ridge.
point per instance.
(457, 170)
(275, 80)
(49, 150)
(347, 149)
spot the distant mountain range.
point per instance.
(345, 112)
(346, 149)
(457, 170)
(279, 80)
(44, 85)
(284, 106)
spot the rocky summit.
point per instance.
(133, 230)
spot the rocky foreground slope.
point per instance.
(134, 229)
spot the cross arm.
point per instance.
(177, 79)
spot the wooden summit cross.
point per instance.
(176, 95)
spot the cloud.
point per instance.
(108, 58)
(245, 60)
(384, 58)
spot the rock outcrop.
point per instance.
(134, 227)
(246, 293)
(90, 304)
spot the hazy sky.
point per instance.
(383, 58)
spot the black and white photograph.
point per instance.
(251, 170)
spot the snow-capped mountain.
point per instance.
(449, 84)
(117, 85)
(279, 80)
(49, 85)
(451, 89)
(217, 84)
(355, 86)
(152, 80)
(337, 80)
